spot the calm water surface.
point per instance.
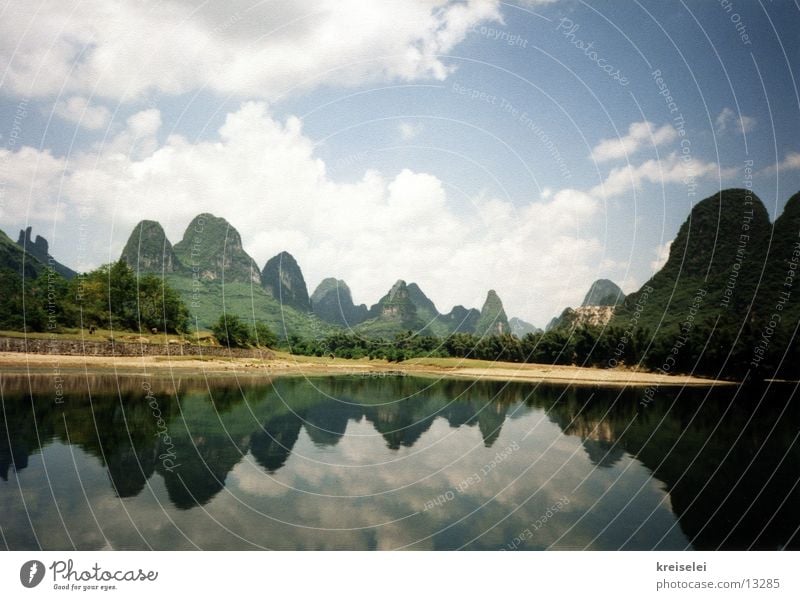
(395, 462)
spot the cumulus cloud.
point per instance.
(262, 174)
(123, 50)
(640, 135)
(791, 162)
(728, 121)
(78, 110)
(674, 168)
(29, 180)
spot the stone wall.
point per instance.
(106, 348)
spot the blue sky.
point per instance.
(462, 145)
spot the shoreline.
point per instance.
(284, 365)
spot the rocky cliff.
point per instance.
(283, 278)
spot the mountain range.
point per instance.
(729, 271)
(210, 255)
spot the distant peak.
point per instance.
(493, 320)
(205, 221)
(146, 225)
(284, 257)
(493, 297)
(332, 302)
(148, 250)
(603, 292)
(283, 278)
(40, 250)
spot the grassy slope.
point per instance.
(208, 301)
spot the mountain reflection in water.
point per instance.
(350, 462)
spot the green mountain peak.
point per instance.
(493, 320)
(393, 313)
(603, 292)
(333, 303)
(715, 262)
(212, 248)
(283, 278)
(149, 251)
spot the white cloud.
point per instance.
(674, 168)
(123, 50)
(409, 131)
(138, 139)
(662, 255)
(639, 136)
(535, 2)
(78, 110)
(728, 121)
(263, 176)
(29, 180)
(790, 162)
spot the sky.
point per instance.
(528, 147)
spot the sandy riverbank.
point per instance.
(288, 365)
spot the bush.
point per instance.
(264, 336)
(231, 331)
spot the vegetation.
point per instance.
(111, 296)
(207, 300)
(557, 347)
(704, 350)
(233, 332)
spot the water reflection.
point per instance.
(349, 462)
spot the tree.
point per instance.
(160, 306)
(114, 296)
(264, 336)
(231, 331)
(20, 308)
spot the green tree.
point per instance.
(231, 331)
(113, 296)
(264, 336)
(160, 306)
(20, 309)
